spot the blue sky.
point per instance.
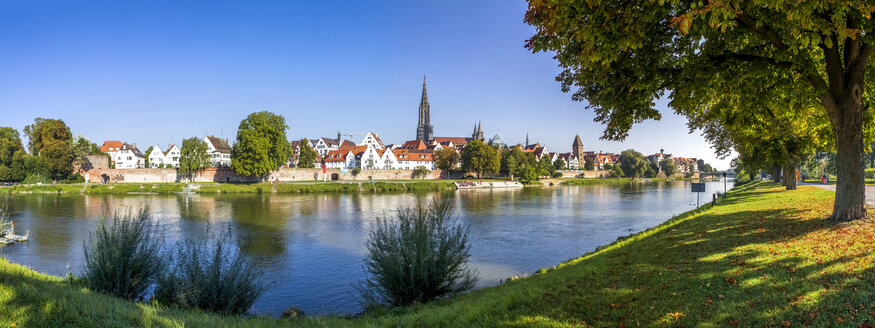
(152, 72)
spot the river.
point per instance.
(311, 246)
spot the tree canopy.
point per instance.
(668, 167)
(262, 146)
(193, 157)
(620, 56)
(10, 142)
(306, 155)
(44, 131)
(633, 164)
(446, 158)
(480, 158)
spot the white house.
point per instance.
(156, 157)
(344, 157)
(219, 151)
(371, 139)
(408, 160)
(127, 157)
(324, 145)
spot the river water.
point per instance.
(311, 246)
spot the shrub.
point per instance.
(870, 173)
(420, 172)
(209, 273)
(124, 259)
(420, 256)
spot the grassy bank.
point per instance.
(208, 188)
(761, 257)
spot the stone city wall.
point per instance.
(584, 174)
(227, 175)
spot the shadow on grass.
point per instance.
(763, 257)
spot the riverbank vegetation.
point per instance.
(761, 257)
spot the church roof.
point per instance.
(577, 142)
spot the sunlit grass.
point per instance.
(761, 257)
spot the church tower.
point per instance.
(478, 132)
(577, 148)
(424, 130)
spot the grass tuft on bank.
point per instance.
(761, 257)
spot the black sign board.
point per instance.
(699, 187)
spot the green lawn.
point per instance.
(761, 257)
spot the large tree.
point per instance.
(44, 131)
(306, 155)
(668, 167)
(193, 157)
(480, 158)
(512, 162)
(262, 146)
(622, 55)
(58, 158)
(10, 142)
(633, 164)
(446, 158)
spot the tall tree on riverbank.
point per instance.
(193, 157)
(306, 155)
(262, 146)
(480, 158)
(633, 164)
(621, 56)
(44, 131)
(10, 142)
(668, 167)
(446, 159)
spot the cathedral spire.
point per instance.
(424, 129)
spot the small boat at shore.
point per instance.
(487, 184)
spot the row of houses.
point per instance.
(372, 153)
(123, 155)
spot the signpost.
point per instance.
(698, 188)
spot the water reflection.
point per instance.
(311, 245)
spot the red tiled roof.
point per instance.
(110, 145)
(414, 144)
(455, 140)
(408, 155)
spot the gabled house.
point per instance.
(156, 157)
(340, 158)
(127, 156)
(219, 151)
(371, 139)
(171, 156)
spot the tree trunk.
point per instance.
(850, 183)
(776, 174)
(790, 176)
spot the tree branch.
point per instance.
(763, 30)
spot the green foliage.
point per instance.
(420, 256)
(124, 259)
(480, 158)
(617, 171)
(589, 164)
(193, 157)
(355, 171)
(420, 172)
(5, 173)
(667, 166)
(75, 178)
(870, 173)
(10, 142)
(772, 79)
(512, 161)
(633, 164)
(559, 164)
(58, 158)
(650, 172)
(446, 158)
(44, 131)
(306, 155)
(210, 273)
(146, 155)
(530, 173)
(545, 167)
(262, 146)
